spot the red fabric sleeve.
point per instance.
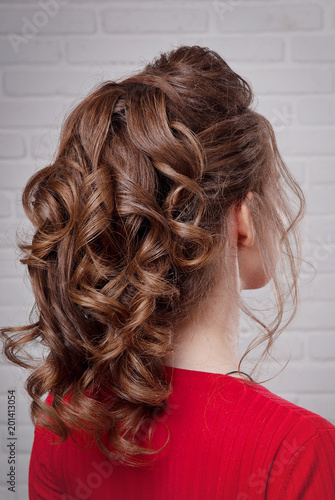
(310, 473)
(41, 483)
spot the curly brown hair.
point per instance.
(130, 220)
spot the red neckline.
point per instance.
(188, 371)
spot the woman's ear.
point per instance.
(241, 227)
(245, 228)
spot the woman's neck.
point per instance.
(208, 341)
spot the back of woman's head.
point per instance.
(130, 224)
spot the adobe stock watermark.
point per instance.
(260, 480)
(281, 118)
(321, 253)
(222, 8)
(11, 441)
(40, 18)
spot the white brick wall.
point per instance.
(149, 20)
(53, 51)
(266, 19)
(316, 49)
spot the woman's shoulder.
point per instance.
(289, 432)
(289, 449)
(292, 412)
(300, 447)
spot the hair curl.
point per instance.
(129, 222)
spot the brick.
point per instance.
(313, 315)
(290, 80)
(280, 112)
(165, 20)
(7, 234)
(324, 288)
(36, 21)
(321, 255)
(12, 376)
(321, 172)
(317, 111)
(303, 228)
(322, 230)
(19, 212)
(29, 114)
(306, 142)
(9, 230)
(298, 378)
(15, 292)
(44, 146)
(298, 169)
(306, 290)
(11, 146)
(268, 19)
(10, 266)
(14, 174)
(313, 48)
(116, 50)
(44, 83)
(32, 51)
(286, 345)
(321, 199)
(5, 205)
(14, 315)
(321, 345)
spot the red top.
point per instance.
(229, 440)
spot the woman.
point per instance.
(167, 198)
